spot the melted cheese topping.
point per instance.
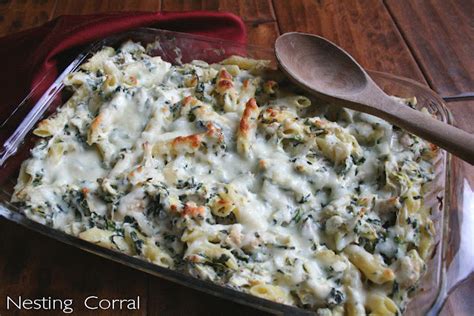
(216, 171)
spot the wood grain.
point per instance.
(463, 114)
(3, 22)
(249, 10)
(258, 16)
(363, 28)
(93, 6)
(4, 4)
(441, 35)
(18, 15)
(27, 4)
(262, 34)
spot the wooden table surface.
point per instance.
(430, 41)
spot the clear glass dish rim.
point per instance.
(209, 287)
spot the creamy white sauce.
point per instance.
(152, 182)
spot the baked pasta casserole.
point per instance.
(226, 172)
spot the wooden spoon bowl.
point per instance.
(340, 77)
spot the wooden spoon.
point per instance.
(326, 70)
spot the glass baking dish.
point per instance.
(182, 48)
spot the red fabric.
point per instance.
(38, 55)
(27, 56)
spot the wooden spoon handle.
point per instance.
(454, 140)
